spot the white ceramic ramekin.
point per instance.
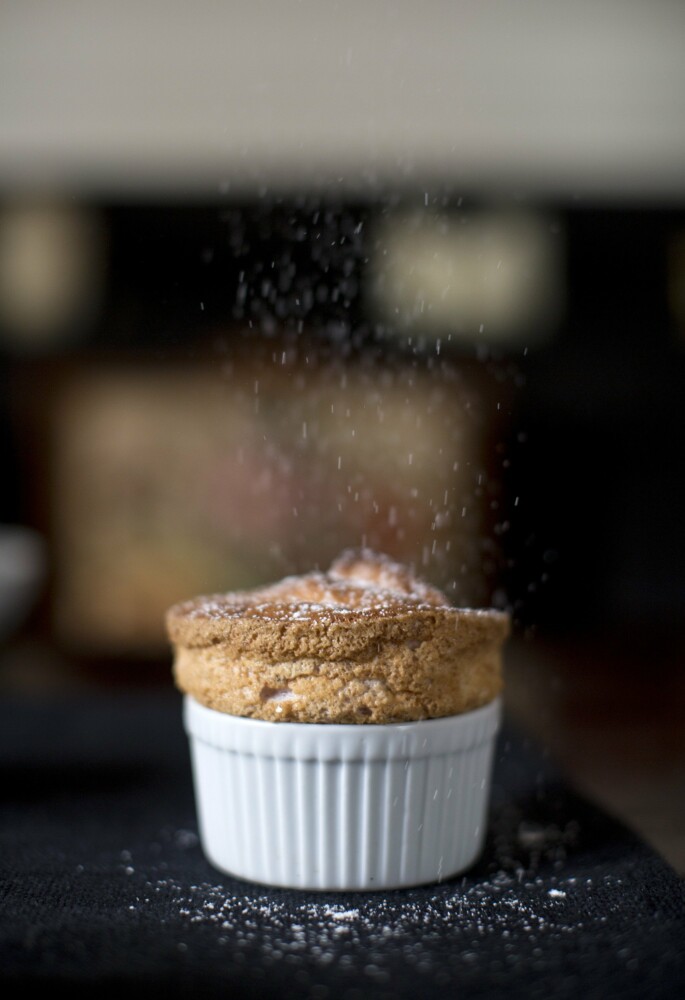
(342, 807)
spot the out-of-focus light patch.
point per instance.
(676, 280)
(129, 98)
(330, 458)
(481, 276)
(51, 272)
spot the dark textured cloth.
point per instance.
(105, 889)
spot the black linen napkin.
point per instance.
(104, 887)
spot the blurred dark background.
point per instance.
(586, 465)
(276, 283)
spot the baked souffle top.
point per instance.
(365, 642)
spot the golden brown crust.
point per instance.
(364, 643)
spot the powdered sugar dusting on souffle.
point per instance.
(321, 637)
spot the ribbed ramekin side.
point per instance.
(467, 785)
(321, 823)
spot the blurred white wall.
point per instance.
(567, 97)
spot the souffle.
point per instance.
(365, 642)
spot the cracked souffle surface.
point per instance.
(366, 642)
